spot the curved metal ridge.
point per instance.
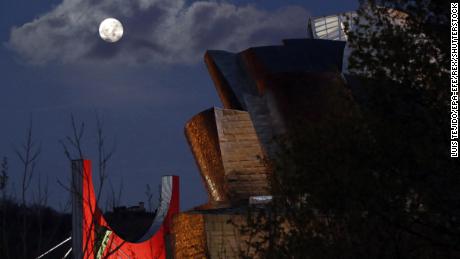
(162, 210)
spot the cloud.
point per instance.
(156, 31)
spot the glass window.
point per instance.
(319, 22)
(321, 33)
(320, 28)
(332, 19)
(330, 27)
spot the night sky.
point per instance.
(144, 87)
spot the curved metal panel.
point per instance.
(162, 211)
(201, 134)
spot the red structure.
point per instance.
(92, 237)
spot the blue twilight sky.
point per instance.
(144, 87)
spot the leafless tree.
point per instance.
(73, 149)
(3, 185)
(28, 154)
(149, 196)
(115, 197)
(104, 156)
(40, 202)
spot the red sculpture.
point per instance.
(92, 237)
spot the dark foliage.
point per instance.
(46, 228)
(373, 178)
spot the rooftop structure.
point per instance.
(331, 27)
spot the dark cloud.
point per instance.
(157, 31)
(101, 50)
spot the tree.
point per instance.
(404, 41)
(74, 150)
(28, 154)
(3, 185)
(373, 178)
(26, 223)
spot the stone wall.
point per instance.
(188, 236)
(242, 155)
(223, 236)
(207, 234)
(229, 155)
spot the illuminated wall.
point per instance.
(211, 234)
(228, 154)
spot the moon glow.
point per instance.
(111, 30)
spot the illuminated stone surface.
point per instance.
(223, 238)
(210, 234)
(228, 154)
(189, 236)
(242, 156)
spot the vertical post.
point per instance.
(77, 207)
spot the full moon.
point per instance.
(111, 30)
